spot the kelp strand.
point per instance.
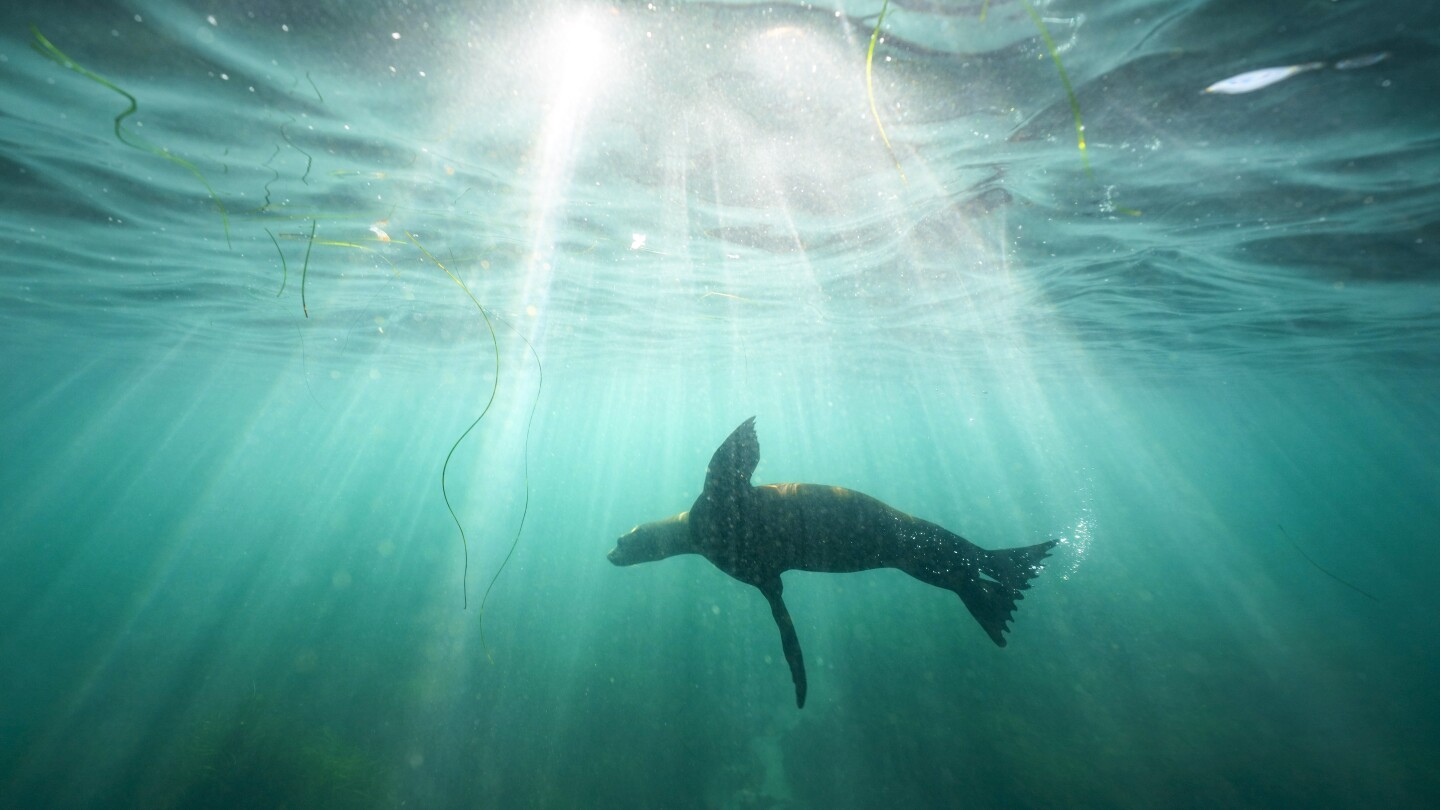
(525, 510)
(870, 89)
(275, 176)
(494, 387)
(305, 368)
(305, 269)
(1322, 568)
(356, 246)
(48, 49)
(1069, 94)
(284, 267)
(309, 161)
(313, 87)
(1064, 79)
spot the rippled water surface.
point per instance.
(1026, 269)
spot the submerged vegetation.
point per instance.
(870, 87)
(305, 268)
(525, 508)
(494, 388)
(284, 266)
(1050, 48)
(1322, 569)
(1064, 80)
(529, 424)
(47, 49)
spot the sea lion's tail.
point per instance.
(993, 603)
(1015, 567)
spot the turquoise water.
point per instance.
(237, 358)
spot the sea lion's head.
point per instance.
(654, 541)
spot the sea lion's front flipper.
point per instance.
(733, 463)
(788, 639)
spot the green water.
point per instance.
(228, 574)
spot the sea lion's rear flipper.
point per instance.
(993, 603)
(733, 463)
(788, 640)
(1015, 567)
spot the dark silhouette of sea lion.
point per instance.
(755, 533)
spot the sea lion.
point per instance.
(754, 533)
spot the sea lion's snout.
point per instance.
(624, 551)
(653, 541)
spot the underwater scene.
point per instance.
(345, 344)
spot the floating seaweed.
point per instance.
(1049, 47)
(494, 387)
(870, 88)
(47, 49)
(529, 423)
(284, 267)
(1064, 79)
(305, 269)
(309, 160)
(525, 510)
(1323, 569)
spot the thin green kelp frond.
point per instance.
(309, 160)
(357, 246)
(48, 49)
(1064, 79)
(494, 387)
(870, 88)
(275, 175)
(314, 87)
(525, 511)
(1070, 96)
(1327, 572)
(310, 244)
(284, 266)
(305, 269)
